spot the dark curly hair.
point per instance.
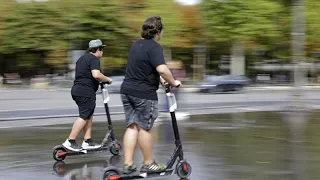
(151, 27)
(94, 50)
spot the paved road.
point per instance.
(33, 104)
(219, 147)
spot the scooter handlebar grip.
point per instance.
(103, 83)
(167, 87)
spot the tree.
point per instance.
(35, 27)
(313, 25)
(47, 30)
(192, 27)
(99, 19)
(5, 8)
(135, 12)
(238, 22)
(30, 31)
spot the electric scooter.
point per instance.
(183, 169)
(108, 143)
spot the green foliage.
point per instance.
(313, 25)
(33, 26)
(240, 20)
(37, 33)
(265, 23)
(167, 9)
(96, 19)
(112, 62)
(58, 26)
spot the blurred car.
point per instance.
(115, 86)
(12, 78)
(223, 83)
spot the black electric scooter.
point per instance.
(108, 143)
(183, 169)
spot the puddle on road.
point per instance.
(257, 146)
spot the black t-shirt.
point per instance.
(142, 79)
(85, 84)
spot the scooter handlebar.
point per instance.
(168, 87)
(103, 83)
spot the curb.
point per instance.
(261, 88)
(111, 113)
(187, 89)
(208, 110)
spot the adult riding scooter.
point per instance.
(183, 169)
(108, 143)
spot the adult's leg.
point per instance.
(145, 143)
(146, 121)
(130, 139)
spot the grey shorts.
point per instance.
(142, 112)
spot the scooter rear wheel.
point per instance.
(184, 170)
(115, 148)
(57, 154)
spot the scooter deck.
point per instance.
(139, 174)
(84, 151)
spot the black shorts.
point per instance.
(86, 106)
(142, 112)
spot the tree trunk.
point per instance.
(298, 38)
(237, 65)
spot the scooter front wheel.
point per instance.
(59, 154)
(183, 170)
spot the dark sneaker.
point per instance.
(72, 145)
(129, 169)
(153, 167)
(90, 144)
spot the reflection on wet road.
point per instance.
(240, 146)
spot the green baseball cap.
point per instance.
(96, 43)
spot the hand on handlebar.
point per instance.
(106, 82)
(177, 83)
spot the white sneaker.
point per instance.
(73, 146)
(89, 144)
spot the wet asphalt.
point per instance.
(237, 146)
